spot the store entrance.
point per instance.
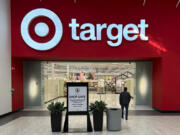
(45, 81)
(106, 80)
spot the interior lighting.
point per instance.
(33, 89)
(143, 85)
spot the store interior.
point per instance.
(46, 81)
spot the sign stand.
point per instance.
(66, 123)
(77, 103)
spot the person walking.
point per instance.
(124, 100)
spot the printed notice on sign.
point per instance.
(77, 99)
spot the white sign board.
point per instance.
(77, 98)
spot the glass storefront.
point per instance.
(106, 80)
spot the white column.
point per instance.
(5, 58)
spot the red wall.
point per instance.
(17, 84)
(157, 84)
(162, 48)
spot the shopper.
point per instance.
(124, 100)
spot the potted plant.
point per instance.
(56, 115)
(98, 109)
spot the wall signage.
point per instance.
(84, 32)
(94, 32)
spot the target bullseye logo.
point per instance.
(41, 29)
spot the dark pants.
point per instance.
(126, 107)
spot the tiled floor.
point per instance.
(136, 125)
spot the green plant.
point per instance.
(98, 106)
(56, 107)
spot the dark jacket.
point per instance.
(124, 98)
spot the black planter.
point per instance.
(98, 120)
(56, 121)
